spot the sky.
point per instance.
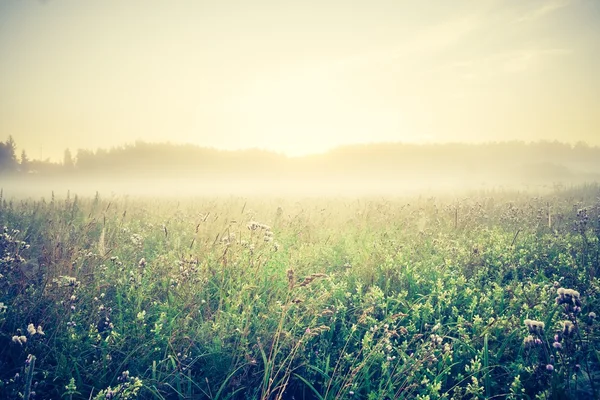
(296, 77)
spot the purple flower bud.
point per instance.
(557, 345)
(550, 367)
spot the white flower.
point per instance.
(31, 330)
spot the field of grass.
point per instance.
(491, 295)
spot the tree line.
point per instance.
(386, 160)
(11, 164)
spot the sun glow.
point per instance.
(296, 78)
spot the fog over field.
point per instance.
(384, 169)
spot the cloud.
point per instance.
(546, 8)
(424, 43)
(502, 63)
(442, 35)
(520, 61)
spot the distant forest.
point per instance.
(447, 164)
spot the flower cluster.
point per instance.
(570, 298)
(31, 330)
(530, 341)
(568, 328)
(557, 344)
(535, 327)
(253, 226)
(19, 339)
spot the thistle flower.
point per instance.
(569, 297)
(19, 339)
(568, 328)
(534, 326)
(528, 341)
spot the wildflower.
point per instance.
(534, 326)
(31, 330)
(591, 318)
(124, 376)
(550, 367)
(557, 345)
(568, 328)
(142, 262)
(40, 331)
(529, 341)
(19, 339)
(436, 339)
(569, 297)
(447, 348)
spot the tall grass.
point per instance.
(315, 298)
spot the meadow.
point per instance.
(490, 294)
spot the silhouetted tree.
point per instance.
(8, 158)
(68, 161)
(25, 163)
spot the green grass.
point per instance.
(231, 298)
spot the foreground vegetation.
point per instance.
(493, 295)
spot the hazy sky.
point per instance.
(296, 76)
